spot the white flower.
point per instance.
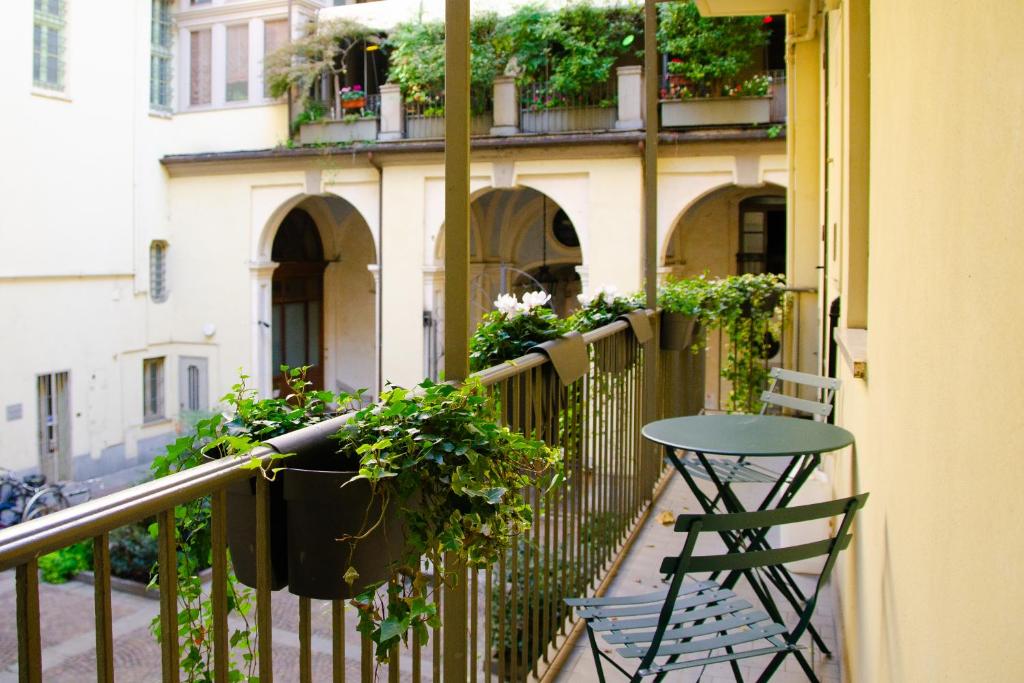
(507, 304)
(584, 299)
(609, 292)
(532, 300)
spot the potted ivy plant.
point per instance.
(437, 460)
(682, 306)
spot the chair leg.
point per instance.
(772, 667)
(806, 666)
(596, 652)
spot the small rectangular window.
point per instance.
(237, 63)
(160, 55)
(275, 36)
(153, 389)
(48, 44)
(200, 67)
(158, 271)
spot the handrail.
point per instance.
(31, 539)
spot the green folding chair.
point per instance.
(741, 471)
(695, 623)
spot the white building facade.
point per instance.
(160, 235)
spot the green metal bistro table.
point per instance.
(749, 437)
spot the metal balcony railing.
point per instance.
(544, 110)
(515, 622)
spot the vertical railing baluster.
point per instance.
(167, 558)
(264, 620)
(417, 658)
(30, 652)
(104, 618)
(338, 640)
(219, 585)
(393, 668)
(474, 619)
(366, 658)
(438, 600)
(488, 619)
(502, 617)
(305, 646)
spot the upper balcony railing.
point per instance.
(509, 109)
(515, 622)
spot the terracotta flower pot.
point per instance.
(353, 104)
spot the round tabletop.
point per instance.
(748, 435)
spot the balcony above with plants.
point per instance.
(535, 71)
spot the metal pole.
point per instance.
(652, 125)
(456, 290)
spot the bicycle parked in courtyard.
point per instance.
(29, 497)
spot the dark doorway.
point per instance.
(762, 236)
(297, 299)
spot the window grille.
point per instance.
(160, 56)
(158, 271)
(152, 389)
(54, 411)
(237, 86)
(48, 38)
(200, 67)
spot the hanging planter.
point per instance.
(678, 331)
(241, 529)
(326, 508)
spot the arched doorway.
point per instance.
(521, 240)
(729, 231)
(297, 298)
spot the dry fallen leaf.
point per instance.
(666, 518)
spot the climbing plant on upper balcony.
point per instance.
(710, 53)
(323, 50)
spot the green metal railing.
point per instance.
(514, 624)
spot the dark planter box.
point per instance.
(678, 331)
(321, 513)
(241, 525)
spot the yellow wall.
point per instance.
(932, 588)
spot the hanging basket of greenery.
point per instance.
(440, 447)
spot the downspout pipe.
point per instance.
(380, 268)
(811, 32)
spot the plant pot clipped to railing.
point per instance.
(605, 306)
(254, 421)
(437, 459)
(328, 505)
(678, 331)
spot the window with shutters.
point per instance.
(275, 35)
(158, 271)
(237, 67)
(153, 389)
(200, 67)
(48, 38)
(160, 55)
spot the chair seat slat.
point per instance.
(703, 598)
(677, 618)
(708, 644)
(658, 596)
(705, 661)
(744, 618)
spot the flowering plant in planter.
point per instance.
(601, 308)
(755, 86)
(352, 94)
(456, 476)
(513, 328)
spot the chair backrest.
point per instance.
(752, 527)
(826, 386)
